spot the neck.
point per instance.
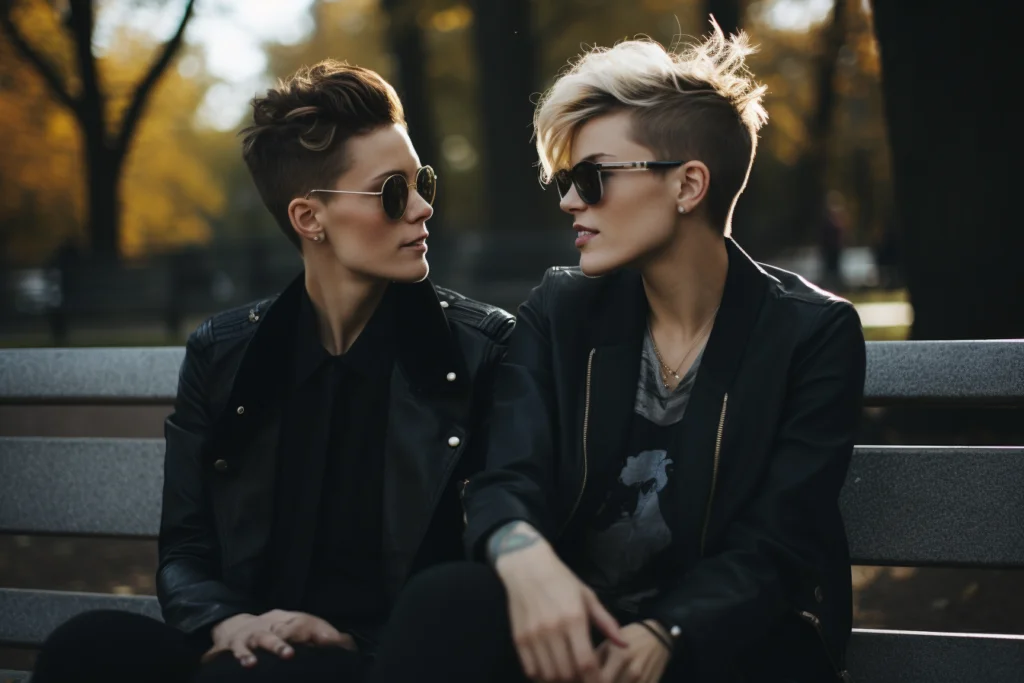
(343, 301)
(685, 282)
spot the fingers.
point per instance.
(604, 621)
(546, 661)
(265, 640)
(528, 660)
(614, 665)
(588, 668)
(242, 653)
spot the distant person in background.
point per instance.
(672, 424)
(832, 234)
(66, 260)
(319, 438)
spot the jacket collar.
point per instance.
(427, 350)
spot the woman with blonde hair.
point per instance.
(672, 423)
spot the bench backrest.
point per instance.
(903, 505)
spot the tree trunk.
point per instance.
(947, 76)
(727, 13)
(504, 44)
(820, 125)
(406, 40)
(103, 222)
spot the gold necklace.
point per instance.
(665, 370)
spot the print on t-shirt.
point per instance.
(629, 529)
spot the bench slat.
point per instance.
(985, 372)
(108, 487)
(978, 372)
(903, 505)
(950, 506)
(83, 376)
(918, 657)
(29, 616)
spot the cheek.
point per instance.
(640, 222)
(361, 233)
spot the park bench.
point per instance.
(903, 505)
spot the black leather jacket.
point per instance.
(759, 566)
(223, 435)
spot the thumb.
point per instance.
(603, 619)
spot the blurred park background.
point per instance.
(127, 216)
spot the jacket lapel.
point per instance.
(620, 320)
(426, 425)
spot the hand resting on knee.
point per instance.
(275, 631)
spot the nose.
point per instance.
(418, 210)
(571, 202)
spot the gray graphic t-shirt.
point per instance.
(629, 529)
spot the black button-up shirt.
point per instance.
(326, 549)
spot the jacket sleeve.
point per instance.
(517, 481)
(192, 596)
(735, 594)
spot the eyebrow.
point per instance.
(386, 174)
(596, 155)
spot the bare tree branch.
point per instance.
(38, 62)
(134, 112)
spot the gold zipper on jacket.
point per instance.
(714, 473)
(586, 425)
(813, 620)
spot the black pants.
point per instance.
(452, 621)
(100, 647)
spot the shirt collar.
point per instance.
(371, 354)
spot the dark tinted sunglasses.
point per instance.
(394, 193)
(586, 176)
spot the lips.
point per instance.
(419, 241)
(584, 234)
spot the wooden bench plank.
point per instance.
(106, 487)
(29, 616)
(876, 656)
(976, 372)
(949, 506)
(77, 376)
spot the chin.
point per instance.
(596, 264)
(411, 272)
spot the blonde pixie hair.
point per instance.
(697, 103)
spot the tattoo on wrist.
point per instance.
(510, 538)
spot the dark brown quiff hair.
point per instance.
(297, 140)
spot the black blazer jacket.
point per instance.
(760, 586)
(222, 443)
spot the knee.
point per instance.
(458, 588)
(457, 580)
(96, 645)
(91, 630)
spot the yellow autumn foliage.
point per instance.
(169, 194)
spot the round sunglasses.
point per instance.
(394, 193)
(586, 176)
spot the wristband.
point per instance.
(659, 635)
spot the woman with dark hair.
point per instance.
(672, 423)
(318, 438)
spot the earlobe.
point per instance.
(304, 221)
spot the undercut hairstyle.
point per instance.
(297, 140)
(693, 103)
